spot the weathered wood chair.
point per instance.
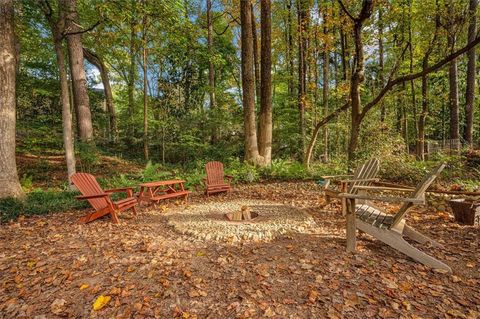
(363, 175)
(390, 229)
(100, 200)
(215, 180)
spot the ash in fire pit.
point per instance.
(244, 214)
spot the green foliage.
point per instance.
(39, 202)
(87, 156)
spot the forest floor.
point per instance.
(52, 267)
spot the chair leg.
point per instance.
(115, 220)
(134, 208)
(396, 241)
(413, 234)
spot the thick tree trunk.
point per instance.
(77, 70)
(94, 59)
(9, 183)
(471, 72)
(265, 126)
(248, 84)
(256, 55)
(420, 150)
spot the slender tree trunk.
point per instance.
(471, 72)
(291, 86)
(265, 126)
(145, 86)
(211, 69)
(381, 75)
(248, 84)
(326, 85)
(303, 11)
(131, 75)
(422, 118)
(9, 183)
(256, 55)
(94, 59)
(453, 92)
(56, 29)
(77, 70)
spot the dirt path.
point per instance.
(51, 267)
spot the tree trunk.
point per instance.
(211, 70)
(131, 75)
(303, 11)
(471, 72)
(265, 126)
(453, 92)
(9, 183)
(56, 29)
(248, 84)
(77, 70)
(291, 86)
(94, 59)
(381, 75)
(256, 55)
(145, 87)
(326, 80)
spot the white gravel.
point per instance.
(207, 221)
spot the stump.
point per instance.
(466, 211)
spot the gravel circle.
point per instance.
(207, 221)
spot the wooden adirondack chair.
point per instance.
(215, 180)
(100, 199)
(390, 229)
(363, 175)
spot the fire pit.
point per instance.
(240, 220)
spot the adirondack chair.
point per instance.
(100, 200)
(215, 180)
(390, 229)
(363, 175)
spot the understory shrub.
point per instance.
(39, 202)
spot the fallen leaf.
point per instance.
(101, 302)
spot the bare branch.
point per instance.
(346, 10)
(64, 34)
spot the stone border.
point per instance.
(207, 221)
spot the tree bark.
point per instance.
(131, 75)
(248, 84)
(381, 75)
(95, 59)
(302, 14)
(57, 26)
(77, 70)
(265, 126)
(9, 183)
(453, 92)
(211, 69)
(291, 86)
(145, 86)
(326, 80)
(471, 72)
(256, 55)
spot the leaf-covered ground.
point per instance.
(51, 267)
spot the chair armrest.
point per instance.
(383, 199)
(349, 181)
(92, 196)
(380, 188)
(117, 190)
(127, 190)
(336, 176)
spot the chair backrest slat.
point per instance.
(88, 185)
(215, 175)
(367, 170)
(418, 193)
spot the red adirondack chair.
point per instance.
(100, 199)
(215, 180)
